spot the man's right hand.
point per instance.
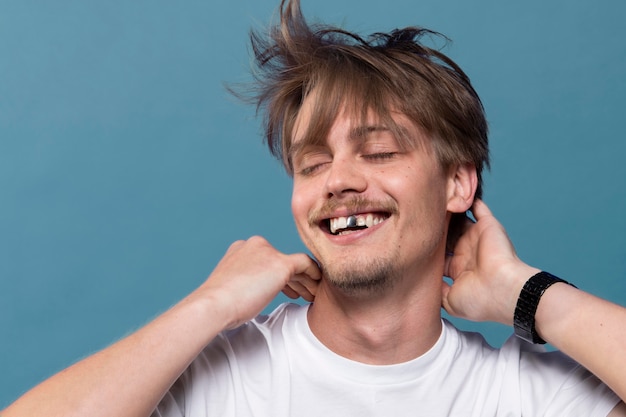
(251, 274)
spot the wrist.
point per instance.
(515, 276)
(524, 318)
(210, 310)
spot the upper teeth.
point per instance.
(359, 220)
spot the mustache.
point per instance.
(356, 204)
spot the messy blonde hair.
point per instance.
(386, 72)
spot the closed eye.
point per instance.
(309, 160)
(311, 169)
(380, 155)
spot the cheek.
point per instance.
(425, 195)
(299, 204)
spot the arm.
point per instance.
(130, 377)
(488, 277)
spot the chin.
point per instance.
(361, 278)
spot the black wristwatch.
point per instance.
(524, 317)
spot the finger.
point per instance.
(235, 246)
(301, 290)
(310, 284)
(480, 209)
(305, 265)
(289, 292)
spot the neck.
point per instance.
(396, 326)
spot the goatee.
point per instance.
(370, 278)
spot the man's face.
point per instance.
(370, 211)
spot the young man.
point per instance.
(386, 141)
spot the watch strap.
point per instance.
(524, 316)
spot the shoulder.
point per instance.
(257, 335)
(272, 324)
(466, 342)
(252, 351)
(550, 383)
(530, 378)
(515, 356)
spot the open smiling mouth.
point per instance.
(343, 225)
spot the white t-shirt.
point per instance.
(274, 366)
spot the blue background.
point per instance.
(126, 170)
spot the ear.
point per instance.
(462, 183)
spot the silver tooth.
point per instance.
(351, 222)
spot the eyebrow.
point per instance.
(364, 131)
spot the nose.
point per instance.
(345, 177)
